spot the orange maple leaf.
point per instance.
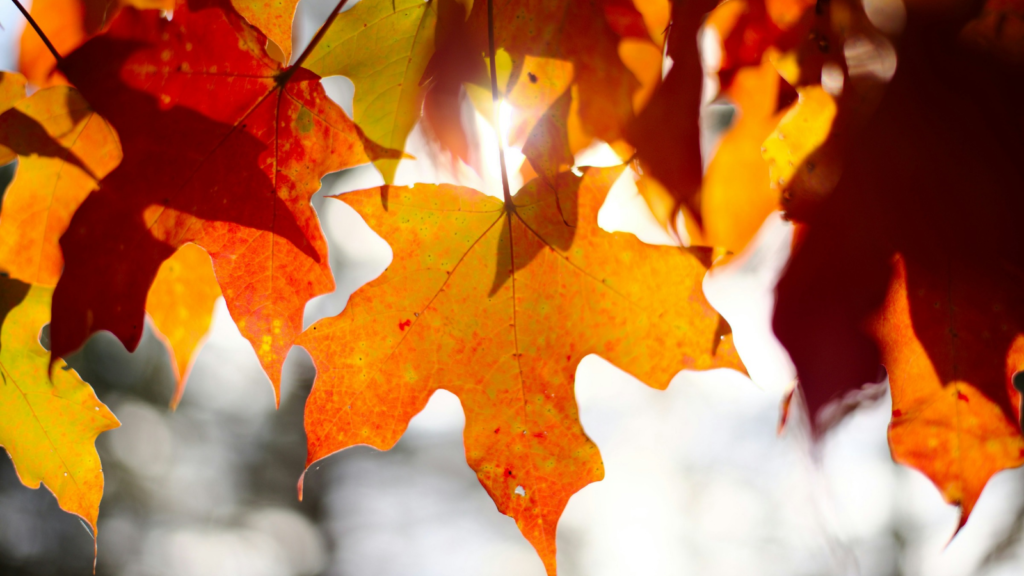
(942, 336)
(499, 306)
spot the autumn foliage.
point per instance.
(169, 151)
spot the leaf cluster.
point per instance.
(171, 149)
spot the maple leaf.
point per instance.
(50, 421)
(68, 24)
(499, 306)
(383, 46)
(180, 304)
(954, 421)
(914, 261)
(63, 149)
(233, 174)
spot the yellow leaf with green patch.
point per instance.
(383, 46)
(49, 421)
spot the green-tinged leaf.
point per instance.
(383, 46)
(50, 421)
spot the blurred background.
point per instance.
(698, 479)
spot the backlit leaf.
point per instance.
(913, 262)
(232, 173)
(180, 303)
(499, 307)
(64, 148)
(383, 46)
(953, 418)
(50, 420)
(736, 194)
(547, 44)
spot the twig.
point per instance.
(495, 100)
(319, 35)
(56, 55)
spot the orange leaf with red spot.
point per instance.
(955, 417)
(499, 306)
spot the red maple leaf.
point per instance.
(914, 262)
(223, 148)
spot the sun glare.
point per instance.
(514, 157)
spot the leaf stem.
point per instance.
(39, 31)
(497, 101)
(319, 35)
